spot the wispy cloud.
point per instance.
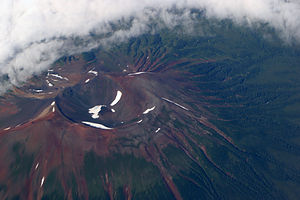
(34, 33)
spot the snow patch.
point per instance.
(139, 121)
(58, 76)
(88, 80)
(49, 84)
(95, 111)
(96, 125)
(37, 91)
(42, 182)
(93, 72)
(36, 166)
(117, 99)
(53, 103)
(6, 129)
(149, 110)
(168, 100)
(136, 73)
(157, 130)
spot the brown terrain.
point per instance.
(42, 126)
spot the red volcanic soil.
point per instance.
(48, 137)
(51, 135)
(8, 109)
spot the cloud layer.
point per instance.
(34, 33)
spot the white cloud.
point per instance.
(34, 33)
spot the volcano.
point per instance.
(157, 117)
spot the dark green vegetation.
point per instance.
(256, 82)
(142, 177)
